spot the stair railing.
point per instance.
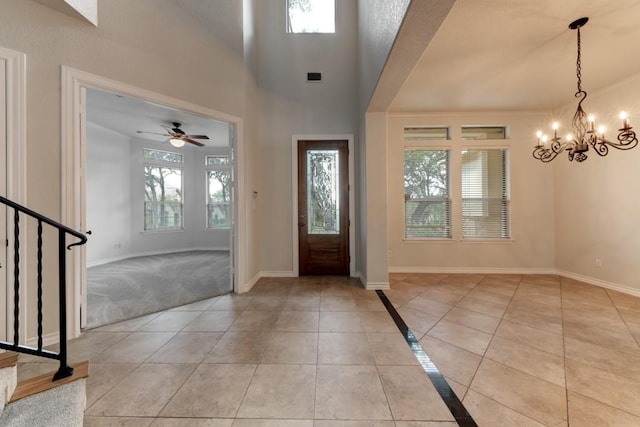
(65, 370)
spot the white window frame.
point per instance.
(168, 165)
(448, 199)
(221, 167)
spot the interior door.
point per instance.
(3, 210)
(323, 207)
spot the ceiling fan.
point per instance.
(177, 137)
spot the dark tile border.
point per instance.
(450, 399)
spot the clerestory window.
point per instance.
(311, 16)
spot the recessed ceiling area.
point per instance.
(497, 55)
(126, 115)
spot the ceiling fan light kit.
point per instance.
(176, 142)
(584, 134)
(177, 137)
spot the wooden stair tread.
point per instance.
(8, 359)
(44, 382)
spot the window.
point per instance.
(413, 134)
(162, 191)
(311, 16)
(484, 132)
(485, 193)
(218, 191)
(427, 203)
(162, 156)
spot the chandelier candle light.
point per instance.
(585, 133)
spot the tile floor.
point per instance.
(517, 350)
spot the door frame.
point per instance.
(295, 139)
(73, 164)
(16, 161)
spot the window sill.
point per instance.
(487, 241)
(433, 240)
(461, 241)
(177, 230)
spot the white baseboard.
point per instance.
(277, 274)
(374, 286)
(471, 270)
(601, 283)
(150, 253)
(248, 286)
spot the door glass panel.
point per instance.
(323, 199)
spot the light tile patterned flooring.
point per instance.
(517, 350)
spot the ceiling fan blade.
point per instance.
(191, 141)
(197, 136)
(152, 133)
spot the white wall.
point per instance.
(597, 204)
(115, 200)
(290, 105)
(108, 194)
(531, 248)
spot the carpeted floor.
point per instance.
(136, 286)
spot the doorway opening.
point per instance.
(155, 224)
(158, 209)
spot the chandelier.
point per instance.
(584, 134)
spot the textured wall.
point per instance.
(378, 24)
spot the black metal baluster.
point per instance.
(16, 277)
(65, 370)
(39, 284)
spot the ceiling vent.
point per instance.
(314, 77)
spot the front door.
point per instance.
(323, 207)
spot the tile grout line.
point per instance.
(455, 406)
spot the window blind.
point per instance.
(485, 193)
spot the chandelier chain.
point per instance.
(579, 65)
